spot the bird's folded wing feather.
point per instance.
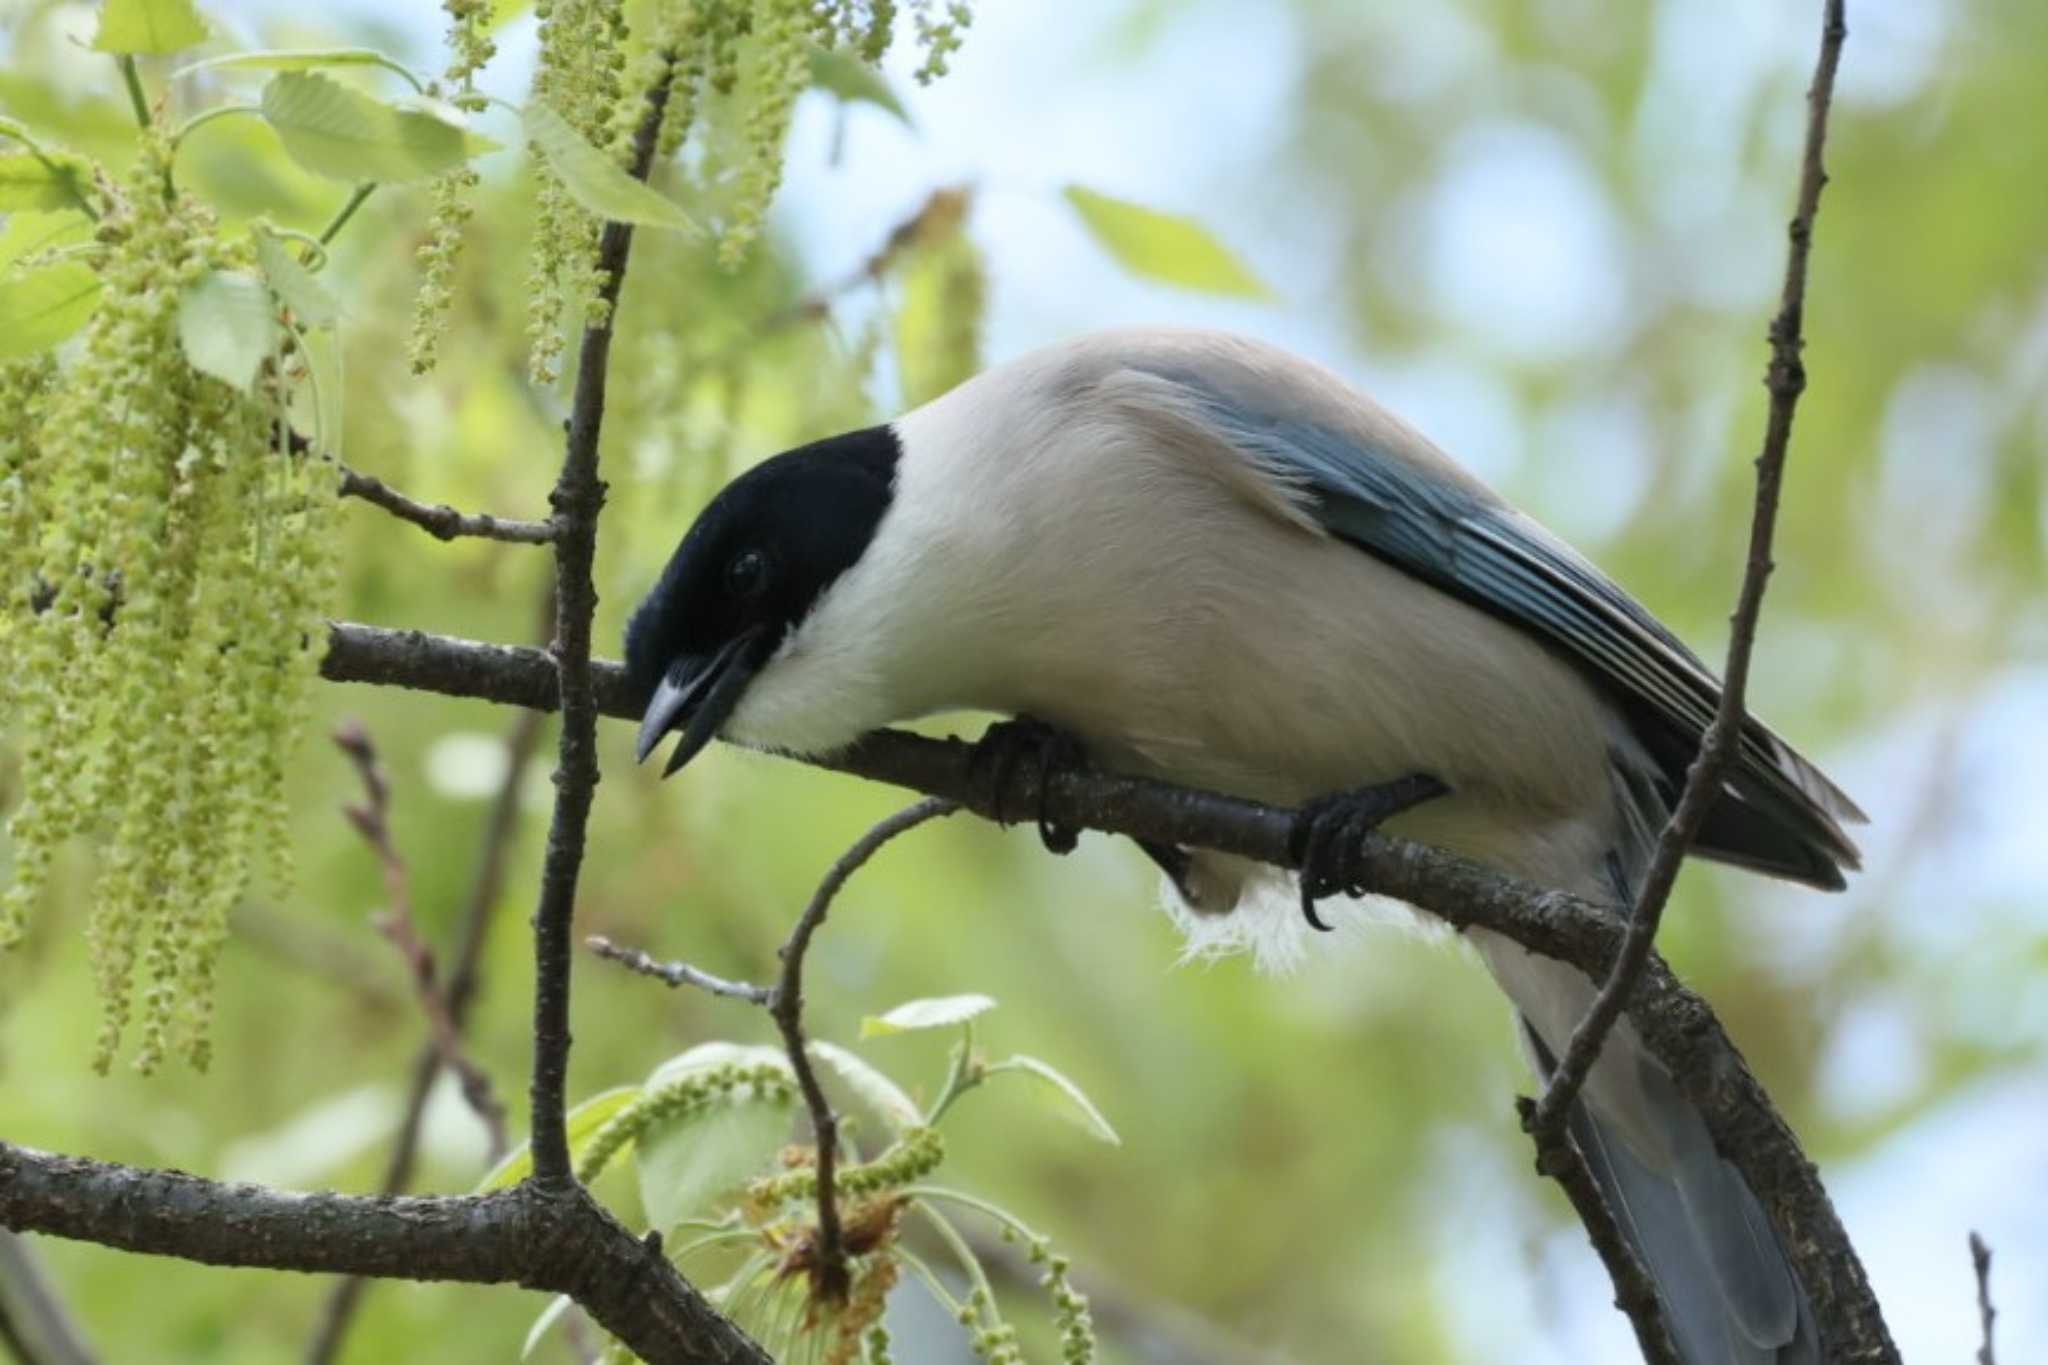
(1449, 531)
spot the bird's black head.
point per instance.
(749, 570)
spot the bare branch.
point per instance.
(678, 973)
(577, 499)
(439, 519)
(1786, 380)
(1980, 1261)
(372, 820)
(1635, 1293)
(941, 210)
(785, 1003)
(787, 1007)
(338, 1313)
(550, 1238)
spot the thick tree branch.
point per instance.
(577, 499)
(549, 1238)
(1676, 1025)
(439, 519)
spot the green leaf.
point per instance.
(583, 1121)
(44, 306)
(23, 234)
(688, 1162)
(346, 135)
(295, 286)
(148, 26)
(853, 81)
(43, 182)
(880, 1093)
(307, 59)
(549, 1316)
(1163, 246)
(1082, 1109)
(936, 1012)
(593, 179)
(228, 326)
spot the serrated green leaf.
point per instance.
(43, 182)
(549, 1316)
(148, 26)
(690, 1161)
(582, 1123)
(1082, 1109)
(228, 326)
(44, 306)
(341, 133)
(853, 81)
(593, 179)
(1162, 246)
(875, 1089)
(936, 1012)
(306, 59)
(295, 286)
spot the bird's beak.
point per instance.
(697, 695)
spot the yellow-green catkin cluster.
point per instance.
(764, 1083)
(167, 573)
(582, 63)
(755, 53)
(470, 47)
(944, 303)
(940, 32)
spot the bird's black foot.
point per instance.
(1176, 862)
(1009, 745)
(1326, 834)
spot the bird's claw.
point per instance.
(1328, 831)
(1007, 746)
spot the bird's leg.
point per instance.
(1006, 746)
(1327, 832)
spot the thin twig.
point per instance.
(785, 1004)
(1556, 1154)
(1980, 1261)
(787, 1008)
(439, 519)
(943, 208)
(372, 819)
(35, 1326)
(338, 1313)
(678, 973)
(1786, 380)
(310, 946)
(1635, 1293)
(577, 499)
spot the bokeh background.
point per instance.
(1548, 231)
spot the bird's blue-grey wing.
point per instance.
(1780, 813)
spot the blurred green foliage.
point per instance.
(1298, 1158)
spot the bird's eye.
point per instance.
(747, 574)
